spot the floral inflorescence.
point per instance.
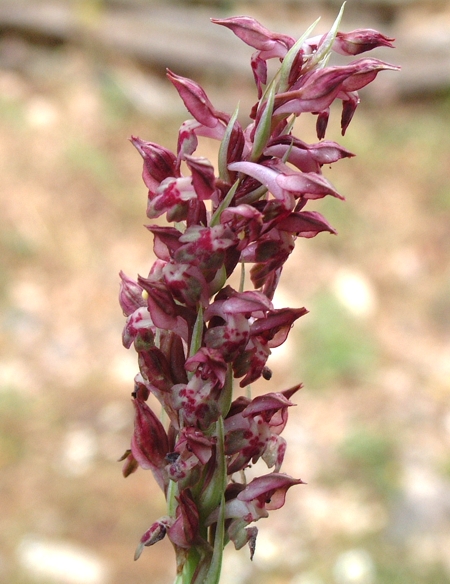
(192, 331)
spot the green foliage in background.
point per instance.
(335, 346)
(369, 458)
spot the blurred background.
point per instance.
(371, 431)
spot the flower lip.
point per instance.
(268, 402)
(270, 490)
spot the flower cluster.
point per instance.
(193, 332)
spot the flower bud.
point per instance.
(159, 162)
(155, 368)
(156, 533)
(322, 122)
(349, 106)
(130, 295)
(360, 40)
(196, 101)
(149, 444)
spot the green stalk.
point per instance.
(242, 278)
(215, 567)
(172, 492)
(189, 567)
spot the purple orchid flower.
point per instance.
(192, 331)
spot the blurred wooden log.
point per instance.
(160, 36)
(182, 39)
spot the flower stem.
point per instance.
(189, 567)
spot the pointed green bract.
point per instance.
(321, 56)
(290, 58)
(197, 334)
(223, 149)
(215, 219)
(263, 129)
